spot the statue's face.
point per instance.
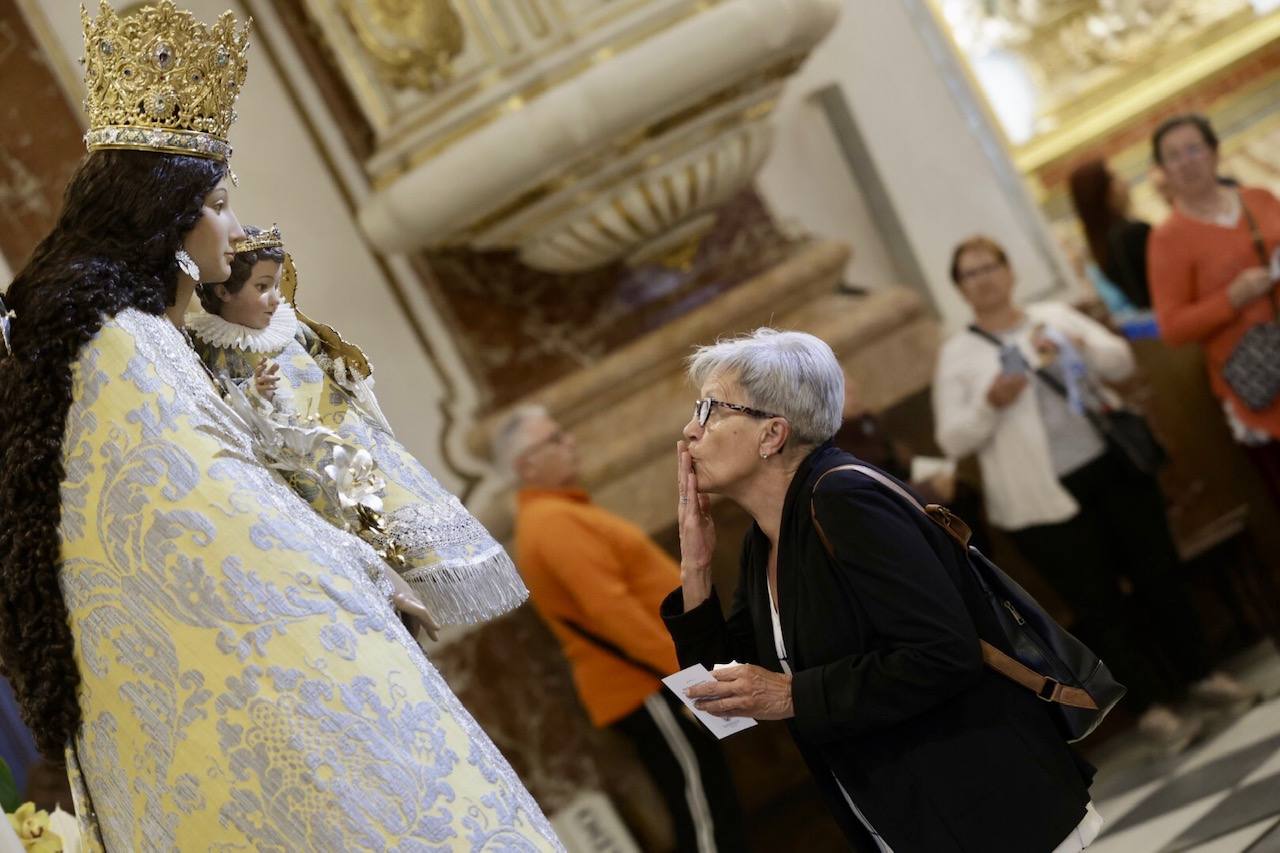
(209, 242)
(254, 304)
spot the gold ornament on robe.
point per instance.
(412, 42)
(157, 79)
(335, 346)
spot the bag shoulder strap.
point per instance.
(610, 647)
(939, 515)
(1260, 247)
(1047, 378)
(1048, 689)
(1054, 384)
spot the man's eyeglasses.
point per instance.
(557, 438)
(702, 410)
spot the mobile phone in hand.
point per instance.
(1012, 360)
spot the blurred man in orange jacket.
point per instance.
(597, 580)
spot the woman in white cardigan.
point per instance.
(1074, 506)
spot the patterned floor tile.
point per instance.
(1241, 807)
(1269, 843)
(1223, 773)
(1154, 834)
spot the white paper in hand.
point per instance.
(927, 467)
(681, 681)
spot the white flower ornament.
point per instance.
(356, 479)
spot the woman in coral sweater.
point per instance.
(1212, 275)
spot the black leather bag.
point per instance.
(1253, 368)
(1075, 684)
(1131, 435)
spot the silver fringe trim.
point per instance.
(469, 593)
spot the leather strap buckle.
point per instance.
(1048, 691)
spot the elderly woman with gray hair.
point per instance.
(855, 619)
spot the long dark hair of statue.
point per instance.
(124, 215)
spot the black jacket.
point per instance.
(890, 692)
(1127, 265)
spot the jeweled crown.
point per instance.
(268, 238)
(159, 80)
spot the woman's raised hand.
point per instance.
(697, 531)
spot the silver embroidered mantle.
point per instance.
(245, 685)
(461, 572)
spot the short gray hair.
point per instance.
(509, 441)
(791, 374)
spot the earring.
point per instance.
(764, 455)
(187, 264)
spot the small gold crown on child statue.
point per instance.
(268, 238)
(157, 79)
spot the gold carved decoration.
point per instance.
(412, 42)
(1095, 65)
(333, 344)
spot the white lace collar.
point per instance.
(215, 331)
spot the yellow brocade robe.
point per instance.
(245, 684)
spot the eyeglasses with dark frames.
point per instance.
(702, 410)
(984, 269)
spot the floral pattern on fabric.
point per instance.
(244, 684)
(459, 570)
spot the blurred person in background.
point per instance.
(1213, 271)
(1117, 242)
(1021, 389)
(597, 581)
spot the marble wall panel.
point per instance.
(523, 329)
(40, 139)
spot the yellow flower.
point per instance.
(32, 828)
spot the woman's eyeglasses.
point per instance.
(984, 269)
(702, 410)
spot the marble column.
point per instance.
(40, 143)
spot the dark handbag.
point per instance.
(1125, 432)
(1047, 660)
(1130, 434)
(1253, 369)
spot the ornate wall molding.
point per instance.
(412, 43)
(1091, 65)
(574, 134)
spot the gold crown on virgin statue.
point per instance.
(268, 238)
(159, 80)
